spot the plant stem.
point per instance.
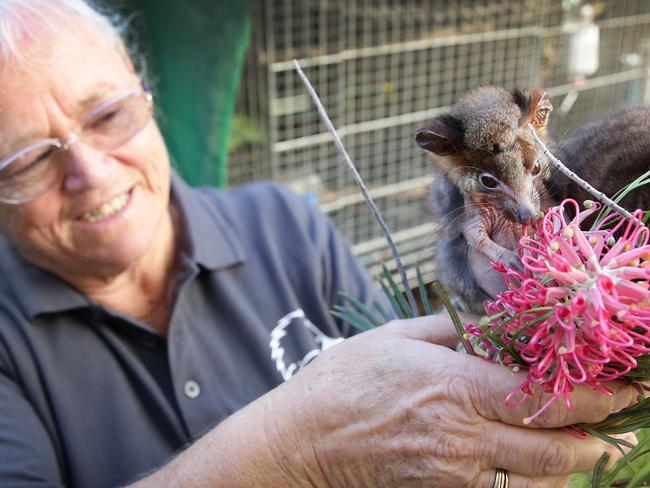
(357, 178)
(600, 196)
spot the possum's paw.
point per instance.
(512, 261)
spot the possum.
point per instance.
(489, 183)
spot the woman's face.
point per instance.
(107, 209)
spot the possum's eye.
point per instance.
(488, 181)
(536, 168)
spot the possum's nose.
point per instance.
(526, 210)
(525, 215)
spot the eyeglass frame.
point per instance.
(64, 145)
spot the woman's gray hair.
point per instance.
(25, 20)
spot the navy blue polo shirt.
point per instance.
(90, 397)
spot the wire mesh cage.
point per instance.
(384, 67)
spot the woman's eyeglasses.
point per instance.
(31, 171)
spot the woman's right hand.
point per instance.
(397, 407)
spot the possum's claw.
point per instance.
(511, 260)
(514, 262)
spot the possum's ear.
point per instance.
(443, 136)
(535, 107)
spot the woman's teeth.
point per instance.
(107, 209)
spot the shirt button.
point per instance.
(191, 389)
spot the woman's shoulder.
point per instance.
(265, 194)
(264, 204)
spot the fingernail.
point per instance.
(616, 454)
(623, 398)
(630, 437)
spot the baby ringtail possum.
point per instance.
(489, 183)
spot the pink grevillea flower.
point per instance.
(578, 312)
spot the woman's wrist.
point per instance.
(251, 448)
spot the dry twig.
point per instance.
(600, 196)
(357, 178)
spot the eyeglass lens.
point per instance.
(31, 172)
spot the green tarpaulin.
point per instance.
(197, 49)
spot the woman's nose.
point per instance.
(84, 167)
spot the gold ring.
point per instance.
(501, 480)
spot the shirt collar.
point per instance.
(209, 232)
(36, 290)
(209, 226)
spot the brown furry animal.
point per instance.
(489, 183)
(609, 153)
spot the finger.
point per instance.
(491, 385)
(542, 453)
(437, 328)
(487, 479)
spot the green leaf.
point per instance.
(599, 470)
(455, 319)
(363, 317)
(352, 317)
(630, 470)
(580, 480)
(424, 296)
(397, 294)
(642, 476)
(397, 308)
(363, 310)
(627, 420)
(385, 315)
(642, 180)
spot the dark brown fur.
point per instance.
(609, 153)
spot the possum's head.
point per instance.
(485, 147)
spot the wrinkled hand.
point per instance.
(395, 407)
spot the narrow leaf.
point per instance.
(353, 318)
(424, 296)
(363, 309)
(455, 319)
(408, 311)
(599, 469)
(385, 315)
(393, 301)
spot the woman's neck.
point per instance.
(146, 289)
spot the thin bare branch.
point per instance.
(359, 181)
(600, 196)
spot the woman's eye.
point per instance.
(536, 168)
(103, 119)
(488, 181)
(29, 160)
